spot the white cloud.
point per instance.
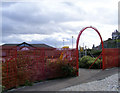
(58, 20)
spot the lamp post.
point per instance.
(85, 51)
(72, 41)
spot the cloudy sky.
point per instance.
(52, 21)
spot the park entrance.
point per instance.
(110, 57)
(78, 38)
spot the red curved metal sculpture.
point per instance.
(78, 38)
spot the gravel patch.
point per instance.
(108, 84)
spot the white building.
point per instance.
(115, 34)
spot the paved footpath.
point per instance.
(85, 75)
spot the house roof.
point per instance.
(32, 45)
(10, 45)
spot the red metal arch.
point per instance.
(78, 38)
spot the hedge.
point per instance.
(24, 71)
(86, 62)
